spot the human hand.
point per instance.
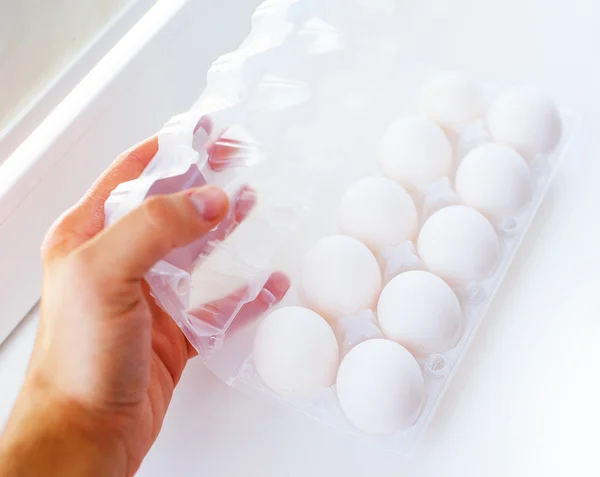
(107, 358)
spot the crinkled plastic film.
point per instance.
(288, 121)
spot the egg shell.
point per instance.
(340, 277)
(495, 180)
(451, 99)
(421, 312)
(378, 212)
(525, 120)
(380, 387)
(459, 244)
(295, 351)
(415, 152)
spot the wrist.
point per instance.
(48, 434)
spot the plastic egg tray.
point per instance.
(297, 114)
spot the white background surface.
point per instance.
(46, 48)
(525, 400)
(39, 38)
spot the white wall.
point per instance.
(38, 38)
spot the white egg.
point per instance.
(495, 180)
(380, 387)
(295, 351)
(340, 277)
(378, 212)
(451, 99)
(459, 244)
(525, 120)
(415, 152)
(421, 312)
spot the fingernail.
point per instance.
(205, 123)
(267, 297)
(209, 203)
(245, 201)
(275, 289)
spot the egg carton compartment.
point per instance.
(350, 166)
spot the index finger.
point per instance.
(86, 218)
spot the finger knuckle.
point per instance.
(57, 237)
(160, 212)
(82, 265)
(163, 219)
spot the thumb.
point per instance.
(131, 246)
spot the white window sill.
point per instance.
(44, 65)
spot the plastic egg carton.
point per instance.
(319, 97)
